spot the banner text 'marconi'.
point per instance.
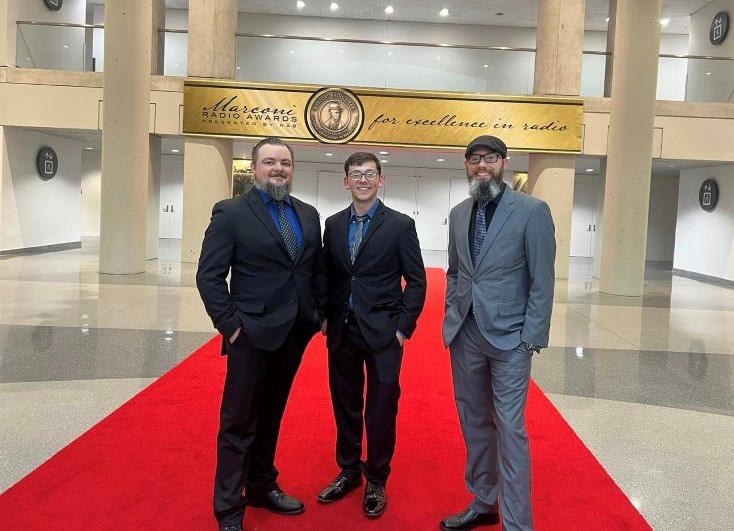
(233, 110)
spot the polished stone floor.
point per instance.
(646, 382)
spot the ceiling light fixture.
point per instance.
(389, 10)
(444, 12)
(300, 4)
(606, 19)
(329, 154)
(384, 152)
(664, 21)
(174, 151)
(440, 160)
(334, 6)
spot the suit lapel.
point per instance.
(501, 215)
(373, 227)
(461, 233)
(341, 237)
(261, 212)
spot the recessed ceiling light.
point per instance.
(606, 19)
(444, 12)
(88, 148)
(664, 21)
(300, 4)
(174, 151)
(291, 52)
(384, 152)
(708, 73)
(238, 68)
(440, 160)
(389, 10)
(334, 6)
(590, 169)
(384, 161)
(66, 45)
(486, 66)
(438, 58)
(329, 154)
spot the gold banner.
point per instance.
(381, 117)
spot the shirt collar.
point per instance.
(370, 213)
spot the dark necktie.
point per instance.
(357, 238)
(289, 237)
(480, 230)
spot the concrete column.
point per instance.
(154, 197)
(629, 148)
(125, 125)
(8, 18)
(207, 163)
(157, 39)
(558, 56)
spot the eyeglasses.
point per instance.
(489, 158)
(369, 175)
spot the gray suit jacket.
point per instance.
(511, 288)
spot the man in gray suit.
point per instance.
(499, 298)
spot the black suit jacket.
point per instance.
(389, 252)
(267, 290)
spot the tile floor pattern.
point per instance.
(646, 382)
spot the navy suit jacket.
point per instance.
(389, 253)
(268, 291)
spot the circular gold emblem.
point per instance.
(334, 115)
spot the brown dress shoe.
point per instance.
(468, 519)
(375, 501)
(339, 488)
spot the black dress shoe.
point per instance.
(468, 519)
(375, 501)
(235, 527)
(275, 500)
(339, 488)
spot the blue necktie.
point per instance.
(357, 237)
(289, 237)
(480, 230)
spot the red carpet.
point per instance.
(149, 465)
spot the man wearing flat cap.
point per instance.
(499, 298)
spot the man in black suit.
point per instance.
(270, 243)
(368, 250)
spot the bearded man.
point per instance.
(270, 244)
(499, 298)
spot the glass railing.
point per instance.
(378, 64)
(59, 46)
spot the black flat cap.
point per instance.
(492, 143)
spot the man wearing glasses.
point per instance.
(499, 298)
(368, 250)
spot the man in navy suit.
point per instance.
(499, 297)
(270, 244)
(369, 249)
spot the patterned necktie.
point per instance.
(357, 238)
(480, 230)
(289, 237)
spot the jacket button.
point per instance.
(292, 301)
(354, 278)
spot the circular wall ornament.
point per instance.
(708, 195)
(719, 28)
(54, 5)
(47, 162)
(334, 115)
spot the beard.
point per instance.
(485, 190)
(277, 191)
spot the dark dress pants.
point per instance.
(346, 380)
(255, 393)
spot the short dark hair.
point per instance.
(273, 141)
(355, 159)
